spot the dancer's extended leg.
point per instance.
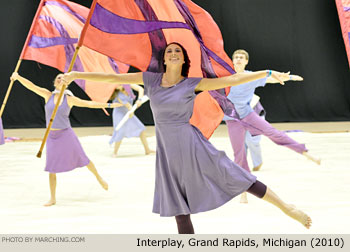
(92, 168)
(257, 126)
(262, 191)
(312, 158)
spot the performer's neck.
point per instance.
(239, 69)
(173, 74)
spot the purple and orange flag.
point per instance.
(136, 31)
(343, 7)
(52, 41)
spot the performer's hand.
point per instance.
(14, 76)
(280, 77)
(67, 78)
(138, 103)
(116, 104)
(128, 106)
(294, 77)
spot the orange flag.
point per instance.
(136, 31)
(343, 7)
(53, 39)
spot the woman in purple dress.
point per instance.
(133, 127)
(192, 176)
(63, 149)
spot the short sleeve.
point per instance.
(258, 83)
(261, 82)
(149, 80)
(193, 82)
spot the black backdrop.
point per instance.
(302, 36)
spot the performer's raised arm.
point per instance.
(140, 92)
(240, 78)
(127, 78)
(43, 92)
(292, 77)
(75, 101)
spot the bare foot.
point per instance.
(103, 183)
(257, 168)
(51, 202)
(299, 215)
(150, 152)
(312, 158)
(244, 198)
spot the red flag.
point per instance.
(343, 7)
(136, 31)
(52, 42)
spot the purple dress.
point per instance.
(2, 139)
(63, 149)
(191, 174)
(133, 127)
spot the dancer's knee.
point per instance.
(258, 189)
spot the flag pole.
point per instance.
(80, 42)
(9, 89)
(41, 4)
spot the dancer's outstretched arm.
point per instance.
(239, 78)
(43, 92)
(292, 77)
(127, 78)
(75, 101)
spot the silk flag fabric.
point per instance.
(343, 7)
(136, 31)
(53, 39)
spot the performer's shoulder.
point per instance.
(151, 77)
(148, 73)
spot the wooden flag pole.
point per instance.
(83, 31)
(81, 38)
(9, 89)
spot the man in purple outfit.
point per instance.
(241, 96)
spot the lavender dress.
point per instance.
(2, 139)
(63, 149)
(191, 174)
(132, 127)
